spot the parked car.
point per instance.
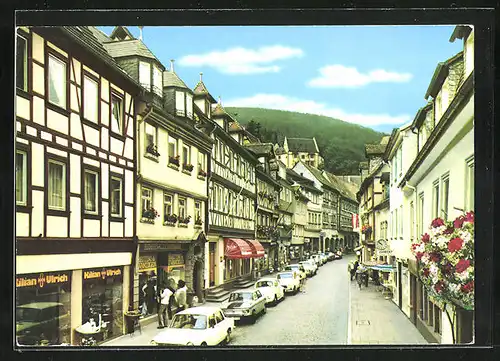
(297, 268)
(245, 304)
(41, 322)
(196, 326)
(310, 268)
(323, 258)
(317, 259)
(289, 280)
(338, 255)
(271, 289)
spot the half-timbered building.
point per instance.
(75, 186)
(172, 157)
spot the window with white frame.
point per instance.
(57, 81)
(445, 190)
(90, 191)
(400, 221)
(146, 199)
(186, 154)
(197, 212)
(22, 63)
(157, 81)
(168, 200)
(90, 99)
(469, 184)
(57, 185)
(172, 146)
(180, 103)
(189, 106)
(21, 178)
(201, 160)
(150, 133)
(116, 114)
(116, 185)
(420, 214)
(182, 207)
(145, 75)
(435, 199)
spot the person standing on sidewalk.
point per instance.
(181, 296)
(164, 304)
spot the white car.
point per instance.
(323, 258)
(245, 304)
(297, 268)
(289, 280)
(197, 326)
(309, 267)
(317, 259)
(270, 289)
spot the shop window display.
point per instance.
(102, 301)
(43, 304)
(174, 270)
(147, 294)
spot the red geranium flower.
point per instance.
(439, 286)
(449, 230)
(469, 217)
(462, 265)
(447, 268)
(435, 256)
(455, 244)
(468, 287)
(457, 223)
(426, 272)
(426, 238)
(419, 255)
(438, 222)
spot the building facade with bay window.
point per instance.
(75, 186)
(173, 151)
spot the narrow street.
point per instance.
(317, 317)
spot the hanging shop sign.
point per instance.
(147, 263)
(42, 279)
(175, 259)
(102, 273)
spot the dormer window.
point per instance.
(189, 106)
(157, 80)
(145, 75)
(151, 77)
(183, 104)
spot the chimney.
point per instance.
(201, 76)
(140, 32)
(172, 65)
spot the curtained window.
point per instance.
(189, 106)
(21, 179)
(57, 81)
(146, 199)
(167, 204)
(180, 100)
(90, 100)
(197, 210)
(90, 192)
(157, 81)
(116, 196)
(116, 114)
(57, 185)
(182, 207)
(145, 75)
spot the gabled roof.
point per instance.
(460, 32)
(200, 90)
(120, 33)
(302, 181)
(171, 79)
(99, 35)
(135, 47)
(317, 174)
(261, 149)
(374, 149)
(385, 139)
(235, 127)
(420, 116)
(440, 75)
(346, 189)
(302, 145)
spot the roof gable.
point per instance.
(307, 145)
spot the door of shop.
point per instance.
(211, 263)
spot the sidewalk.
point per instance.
(375, 320)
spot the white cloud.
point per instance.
(281, 102)
(340, 76)
(243, 61)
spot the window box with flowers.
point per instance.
(187, 168)
(445, 258)
(149, 215)
(170, 220)
(198, 222)
(174, 162)
(152, 152)
(202, 174)
(183, 222)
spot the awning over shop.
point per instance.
(257, 248)
(383, 268)
(237, 248)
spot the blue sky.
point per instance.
(375, 76)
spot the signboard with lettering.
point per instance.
(175, 259)
(41, 280)
(102, 273)
(160, 246)
(147, 263)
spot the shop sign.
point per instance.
(175, 259)
(42, 279)
(147, 263)
(103, 273)
(160, 246)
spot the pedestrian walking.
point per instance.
(164, 304)
(181, 296)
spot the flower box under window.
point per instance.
(149, 215)
(202, 174)
(170, 220)
(153, 150)
(174, 160)
(187, 168)
(183, 222)
(198, 222)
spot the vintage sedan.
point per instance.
(297, 268)
(271, 289)
(197, 326)
(310, 268)
(289, 280)
(245, 304)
